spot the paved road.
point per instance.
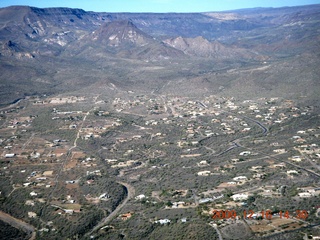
(265, 130)
(236, 143)
(17, 223)
(217, 230)
(316, 166)
(12, 105)
(105, 221)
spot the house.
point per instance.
(126, 216)
(205, 200)
(280, 165)
(68, 211)
(59, 211)
(296, 158)
(178, 204)
(304, 195)
(41, 178)
(10, 155)
(204, 173)
(259, 176)
(163, 221)
(292, 172)
(240, 178)
(112, 161)
(91, 181)
(70, 181)
(300, 140)
(256, 168)
(232, 183)
(308, 189)
(35, 155)
(104, 196)
(280, 150)
(140, 197)
(203, 163)
(301, 132)
(30, 203)
(296, 137)
(184, 220)
(239, 197)
(32, 215)
(245, 153)
(33, 194)
(246, 129)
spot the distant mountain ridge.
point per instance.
(60, 49)
(51, 30)
(122, 38)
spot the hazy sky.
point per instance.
(157, 5)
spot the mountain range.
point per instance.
(41, 49)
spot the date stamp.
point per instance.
(250, 214)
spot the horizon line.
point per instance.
(176, 12)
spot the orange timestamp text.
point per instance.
(250, 214)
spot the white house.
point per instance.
(103, 196)
(204, 173)
(140, 197)
(301, 132)
(205, 200)
(304, 195)
(296, 158)
(231, 183)
(9, 155)
(184, 220)
(292, 172)
(245, 153)
(178, 204)
(279, 150)
(68, 211)
(203, 163)
(239, 197)
(240, 178)
(163, 221)
(33, 194)
(32, 215)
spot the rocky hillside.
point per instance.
(201, 47)
(45, 51)
(50, 31)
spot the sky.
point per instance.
(157, 5)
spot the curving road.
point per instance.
(235, 143)
(103, 222)
(19, 224)
(265, 130)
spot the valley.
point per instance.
(182, 158)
